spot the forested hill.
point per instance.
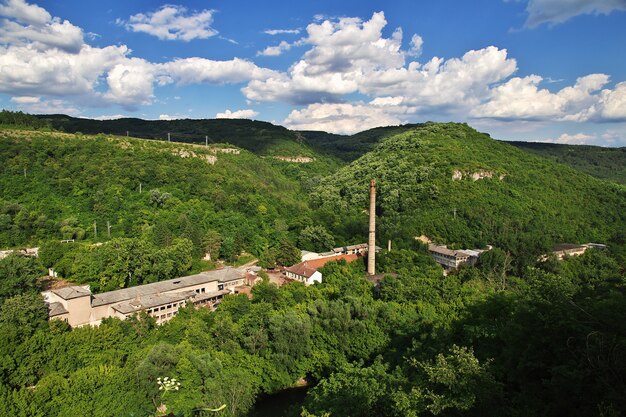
(600, 162)
(259, 137)
(56, 185)
(461, 187)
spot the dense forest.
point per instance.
(550, 342)
(511, 336)
(597, 161)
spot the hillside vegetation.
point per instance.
(597, 161)
(463, 188)
(262, 138)
(55, 186)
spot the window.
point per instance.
(169, 314)
(169, 306)
(162, 308)
(174, 305)
(202, 290)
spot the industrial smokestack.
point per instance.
(371, 244)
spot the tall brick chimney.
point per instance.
(371, 244)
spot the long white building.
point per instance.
(79, 307)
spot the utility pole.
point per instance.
(24, 172)
(168, 136)
(206, 141)
(455, 213)
(127, 133)
(139, 188)
(95, 230)
(108, 229)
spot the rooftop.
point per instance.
(566, 246)
(75, 291)
(221, 275)
(445, 251)
(56, 309)
(308, 268)
(150, 301)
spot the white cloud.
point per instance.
(282, 31)
(610, 137)
(168, 117)
(25, 100)
(23, 12)
(416, 46)
(26, 24)
(340, 118)
(238, 114)
(559, 11)
(27, 71)
(522, 99)
(49, 107)
(352, 56)
(275, 50)
(111, 117)
(173, 23)
(131, 82)
(201, 70)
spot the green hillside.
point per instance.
(259, 137)
(56, 185)
(524, 203)
(597, 161)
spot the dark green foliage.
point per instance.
(19, 275)
(599, 162)
(19, 119)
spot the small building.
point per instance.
(79, 307)
(568, 249)
(304, 273)
(452, 259)
(360, 249)
(307, 271)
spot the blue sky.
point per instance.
(541, 70)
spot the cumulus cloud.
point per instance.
(28, 24)
(173, 23)
(275, 50)
(25, 100)
(110, 117)
(169, 117)
(610, 137)
(523, 99)
(238, 114)
(38, 59)
(54, 106)
(352, 56)
(559, 11)
(343, 118)
(200, 70)
(416, 46)
(282, 31)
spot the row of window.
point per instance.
(167, 307)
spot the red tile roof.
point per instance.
(308, 268)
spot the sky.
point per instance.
(535, 70)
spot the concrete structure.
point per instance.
(79, 307)
(23, 251)
(568, 249)
(360, 249)
(452, 259)
(307, 271)
(371, 252)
